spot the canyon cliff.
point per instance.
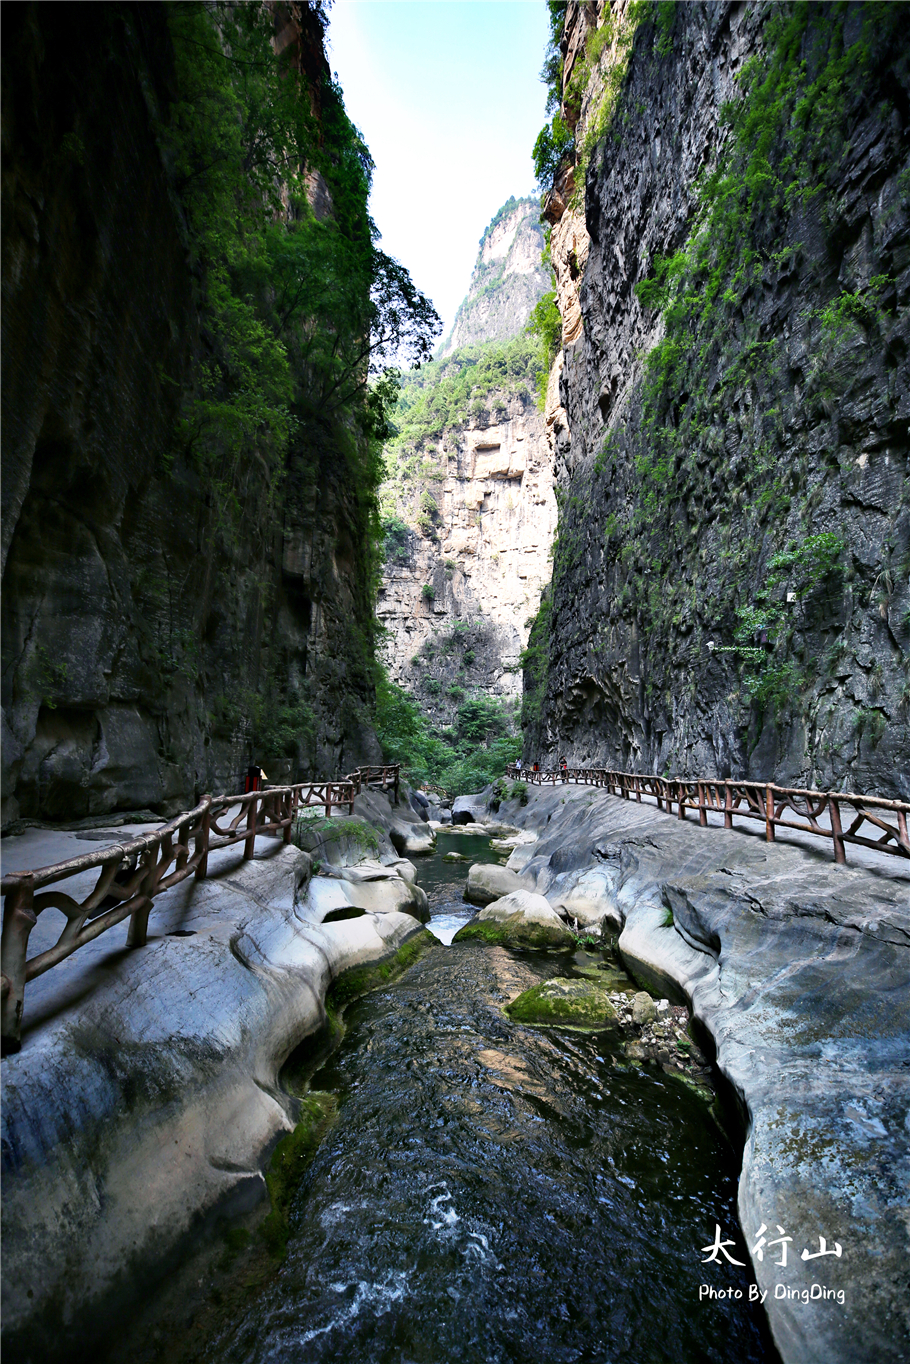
(730, 234)
(178, 599)
(468, 500)
(507, 280)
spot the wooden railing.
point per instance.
(132, 874)
(755, 800)
(378, 776)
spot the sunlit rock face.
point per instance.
(459, 606)
(463, 582)
(508, 278)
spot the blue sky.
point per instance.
(448, 98)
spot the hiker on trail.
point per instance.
(518, 765)
(564, 769)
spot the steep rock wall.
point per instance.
(507, 280)
(458, 597)
(681, 480)
(470, 488)
(136, 635)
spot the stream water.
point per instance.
(494, 1193)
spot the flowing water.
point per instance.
(496, 1193)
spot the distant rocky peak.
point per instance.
(507, 280)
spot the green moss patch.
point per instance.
(351, 984)
(577, 1002)
(315, 834)
(289, 1163)
(516, 932)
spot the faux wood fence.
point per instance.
(131, 875)
(755, 800)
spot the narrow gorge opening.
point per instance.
(456, 718)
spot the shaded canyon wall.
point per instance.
(136, 633)
(703, 465)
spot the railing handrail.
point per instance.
(768, 804)
(135, 872)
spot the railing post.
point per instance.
(681, 798)
(252, 812)
(902, 838)
(202, 841)
(19, 919)
(137, 933)
(328, 800)
(769, 814)
(728, 806)
(351, 801)
(702, 799)
(837, 833)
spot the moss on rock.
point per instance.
(516, 931)
(289, 1162)
(359, 979)
(580, 1003)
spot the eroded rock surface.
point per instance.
(672, 511)
(519, 919)
(145, 1101)
(799, 972)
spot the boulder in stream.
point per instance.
(487, 883)
(521, 919)
(578, 1003)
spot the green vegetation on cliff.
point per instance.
(719, 510)
(303, 319)
(790, 135)
(474, 752)
(468, 384)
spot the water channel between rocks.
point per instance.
(492, 1192)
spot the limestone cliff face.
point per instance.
(137, 636)
(471, 489)
(710, 445)
(507, 281)
(459, 597)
